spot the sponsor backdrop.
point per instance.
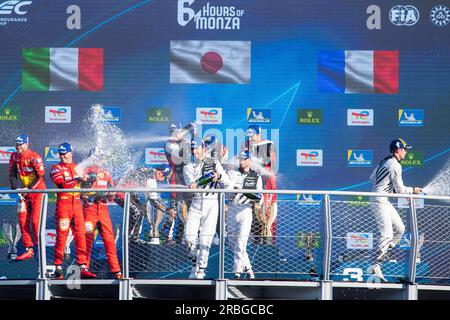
(337, 98)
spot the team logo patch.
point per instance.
(89, 226)
(64, 224)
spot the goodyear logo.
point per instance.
(359, 158)
(158, 115)
(10, 114)
(258, 115)
(410, 117)
(413, 159)
(309, 116)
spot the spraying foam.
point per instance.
(440, 184)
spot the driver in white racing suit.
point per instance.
(387, 178)
(202, 216)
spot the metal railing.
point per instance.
(332, 237)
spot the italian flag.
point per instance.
(62, 69)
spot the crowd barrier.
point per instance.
(322, 239)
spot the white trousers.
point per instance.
(200, 228)
(239, 224)
(389, 224)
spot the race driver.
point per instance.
(27, 167)
(69, 213)
(387, 178)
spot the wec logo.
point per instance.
(8, 7)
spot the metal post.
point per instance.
(327, 238)
(414, 241)
(222, 236)
(41, 240)
(42, 289)
(125, 227)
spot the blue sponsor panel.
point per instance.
(112, 114)
(360, 158)
(262, 116)
(411, 117)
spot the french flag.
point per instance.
(358, 71)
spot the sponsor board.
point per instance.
(309, 157)
(111, 114)
(360, 117)
(51, 155)
(158, 115)
(9, 114)
(5, 154)
(413, 159)
(403, 203)
(410, 117)
(359, 158)
(155, 156)
(209, 115)
(309, 199)
(309, 116)
(50, 237)
(8, 198)
(258, 115)
(359, 240)
(58, 114)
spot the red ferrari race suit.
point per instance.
(68, 211)
(95, 210)
(29, 168)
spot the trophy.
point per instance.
(12, 238)
(309, 241)
(69, 240)
(154, 223)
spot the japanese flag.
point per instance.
(210, 61)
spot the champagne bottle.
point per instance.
(253, 196)
(207, 178)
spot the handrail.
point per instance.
(285, 192)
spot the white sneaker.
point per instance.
(376, 271)
(237, 275)
(250, 273)
(200, 274)
(193, 273)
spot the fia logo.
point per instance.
(404, 15)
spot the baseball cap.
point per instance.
(65, 148)
(21, 139)
(166, 169)
(245, 155)
(210, 141)
(252, 130)
(197, 143)
(174, 126)
(398, 144)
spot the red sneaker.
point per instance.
(85, 274)
(28, 254)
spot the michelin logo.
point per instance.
(209, 17)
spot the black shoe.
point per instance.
(58, 274)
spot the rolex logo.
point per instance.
(7, 111)
(309, 114)
(158, 112)
(411, 156)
